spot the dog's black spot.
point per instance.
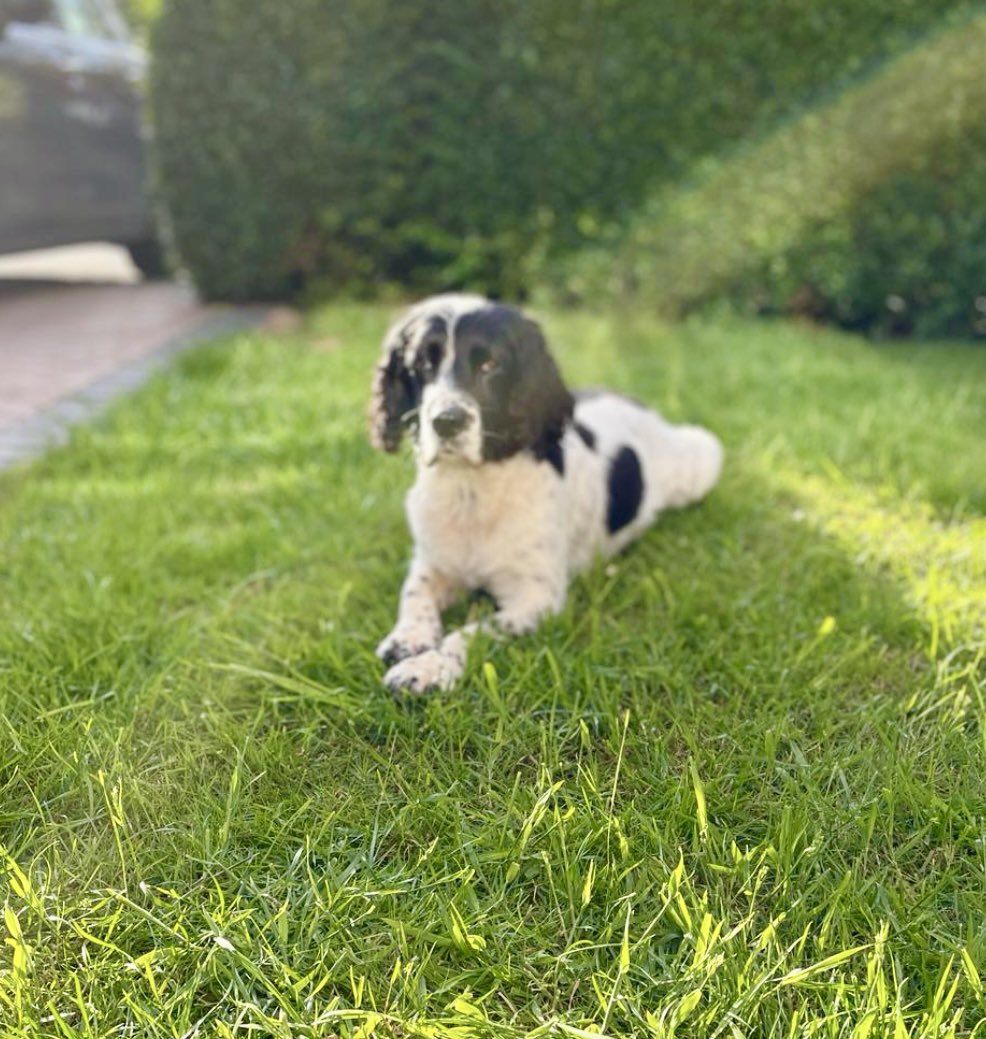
(554, 455)
(626, 489)
(588, 437)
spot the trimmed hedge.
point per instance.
(345, 144)
(368, 143)
(869, 210)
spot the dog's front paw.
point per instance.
(424, 672)
(402, 643)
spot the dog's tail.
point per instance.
(692, 465)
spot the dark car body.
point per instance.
(72, 139)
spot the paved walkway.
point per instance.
(69, 342)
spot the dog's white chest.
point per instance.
(473, 522)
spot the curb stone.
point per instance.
(28, 440)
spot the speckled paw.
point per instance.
(400, 646)
(424, 673)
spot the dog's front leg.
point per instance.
(525, 600)
(425, 593)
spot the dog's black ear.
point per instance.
(542, 401)
(394, 391)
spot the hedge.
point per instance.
(869, 210)
(141, 14)
(339, 144)
(363, 143)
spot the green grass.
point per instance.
(735, 790)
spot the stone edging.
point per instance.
(31, 438)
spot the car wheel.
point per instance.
(149, 258)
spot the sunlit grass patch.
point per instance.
(735, 790)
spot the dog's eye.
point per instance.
(483, 361)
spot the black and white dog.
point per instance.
(520, 484)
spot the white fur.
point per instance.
(520, 530)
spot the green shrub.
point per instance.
(365, 143)
(345, 144)
(238, 144)
(869, 210)
(141, 15)
(908, 256)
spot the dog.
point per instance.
(520, 483)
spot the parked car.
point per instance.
(73, 144)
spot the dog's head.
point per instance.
(472, 379)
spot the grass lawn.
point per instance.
(737, 789)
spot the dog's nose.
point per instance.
(451, 421)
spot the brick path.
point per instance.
(65, 349)
(56, 342)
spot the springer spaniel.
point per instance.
(520, 484)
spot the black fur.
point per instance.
(555, 457)
(523, 402)
(588, 437)
(626, 489)
(397, 387)
(395, 393)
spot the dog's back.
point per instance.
(649, 465)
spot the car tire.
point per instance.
(149, 258)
